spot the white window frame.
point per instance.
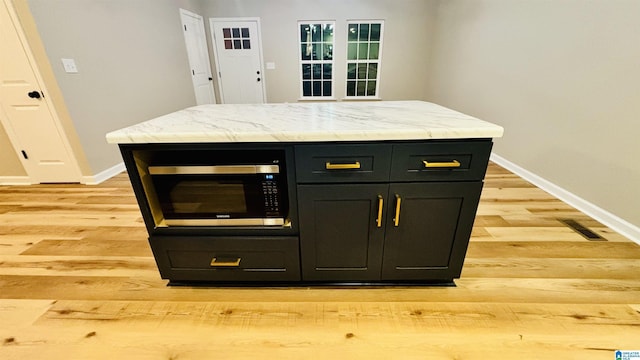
(378, 61)
(312, 62)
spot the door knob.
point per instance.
(34, 95)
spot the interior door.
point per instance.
(238, 61)
(31, 125)
(198, 53)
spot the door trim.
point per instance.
(217, 60)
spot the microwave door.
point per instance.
(206, 199)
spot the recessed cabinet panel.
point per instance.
(340, 239)
(427, 226)
(333, 227)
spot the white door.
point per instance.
(238, 52)
(33, 128)
(198, 53)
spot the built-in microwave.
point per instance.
(213, 189)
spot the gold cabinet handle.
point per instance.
(216, 263)
(379, 219)
(396, 219)
(329, 166)
(451, 164)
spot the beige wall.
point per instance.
(407, 34)
(562, 77)
(132, 64)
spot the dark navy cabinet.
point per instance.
(383, 212)
(405, 217)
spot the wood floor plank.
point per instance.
(536, 220)
(515, 194)
(500, 209)
(411, 314)
(72, 265)
(561, 234)
(16, 244)
(78, 281)
(560, 268)
(485, 289)
(91, 247)
(22, 313)
(561, 249)
(70, 219)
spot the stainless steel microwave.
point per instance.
(236, 194)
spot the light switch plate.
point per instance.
(69, 65)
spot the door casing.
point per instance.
(256, 20)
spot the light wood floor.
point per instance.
(78, 281)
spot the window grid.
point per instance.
(364, 51)
(316, 59)
(236, 38)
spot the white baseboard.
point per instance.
(15, 180)
(612, 221)
(103, 175)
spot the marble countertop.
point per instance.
(301, 122)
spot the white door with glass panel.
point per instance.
(238, 61)
(198, 53)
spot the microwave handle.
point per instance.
(216, 169)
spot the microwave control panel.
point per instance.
(271, 194)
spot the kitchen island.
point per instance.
(354, 193)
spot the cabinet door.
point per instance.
(340, 239)
(430, 237)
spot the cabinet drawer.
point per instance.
(227, 258)
(341, 163)
(440, 161)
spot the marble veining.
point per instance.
(301, 122)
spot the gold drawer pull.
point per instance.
(216, 263)
(452, 164)
(330, 166)
(379, 219)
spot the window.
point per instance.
(364, 51)
(316, 59)
(236, 38)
